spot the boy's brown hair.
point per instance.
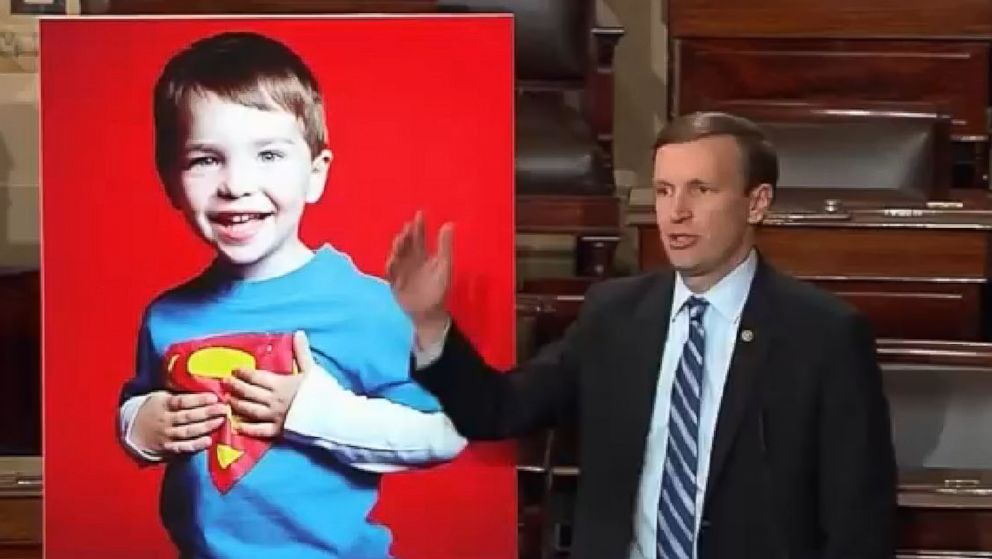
(241, 67)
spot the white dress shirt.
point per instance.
(720, 324)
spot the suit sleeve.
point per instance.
(857, 478)
(486, 404)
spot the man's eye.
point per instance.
(270, 155)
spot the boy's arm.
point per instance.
(369, 433)
(152, 423)
(393, 427)
(125, 429)
(133, 395)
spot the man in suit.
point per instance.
(724, 409)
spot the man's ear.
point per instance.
(318, 175)
(759, 199)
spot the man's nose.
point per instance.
(679, 206)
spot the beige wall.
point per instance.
(18, 169)
(19, 211)
(639, 108)
(18, 140)
(640, 84)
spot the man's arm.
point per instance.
(857, 460)
(482, 402)
(487, 404)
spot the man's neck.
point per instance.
(703, 283)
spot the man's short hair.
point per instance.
(241, 67)
(759, 162)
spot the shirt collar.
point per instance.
(727, 296)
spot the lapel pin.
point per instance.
(747, 335)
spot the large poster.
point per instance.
(178, 156)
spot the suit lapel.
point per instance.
(644, 343)
(747, 362)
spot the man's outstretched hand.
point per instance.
(420, 280)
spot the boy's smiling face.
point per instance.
(243, 178)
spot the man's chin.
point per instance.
(690, 270)
(684, 266)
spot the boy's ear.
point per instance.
(318, 175)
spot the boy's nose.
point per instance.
(238, 181)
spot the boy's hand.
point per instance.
(177, 423)
(420, 280)
(262, 398)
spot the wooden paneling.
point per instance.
(952, 77)
(20, 520)
(911, 283)
(935, 352)
(599, 96)
(859, 253)
(877, 252)
(838, 18)
(20, 527)
(963, 530)
(568, 214)
(915, 310)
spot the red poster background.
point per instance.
(420, 117)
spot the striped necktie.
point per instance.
(677, 506)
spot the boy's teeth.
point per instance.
(235, 219)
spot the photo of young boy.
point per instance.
(274, 386)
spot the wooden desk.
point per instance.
(919, 274)
(949, 508)
(20, 508)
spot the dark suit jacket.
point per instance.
(802, 461)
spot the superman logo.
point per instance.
(201, 365)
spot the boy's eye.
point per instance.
(201, 161)
(270, 155)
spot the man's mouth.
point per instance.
(237, 227)
(681, 241)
